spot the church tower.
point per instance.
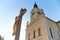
(40, 26)
(35, 29)
(35, 13)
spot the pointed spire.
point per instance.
(35, 5)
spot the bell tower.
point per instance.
(35, 13)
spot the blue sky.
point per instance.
(9, 9)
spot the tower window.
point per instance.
(29, 36)
(39, 34)
(34, 34)
(51, 32)
(33, 13)
(39, 13)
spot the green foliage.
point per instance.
(1, 38)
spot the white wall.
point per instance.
(51, 24)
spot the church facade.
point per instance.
(41, 27)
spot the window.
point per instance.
(33, 13)
(29, 36)
(51, 32)
(34, 34)
(39, 34)
(59, 34)
(39, 13)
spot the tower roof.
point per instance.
(35, 5)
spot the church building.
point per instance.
(41, 27)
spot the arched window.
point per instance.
(29, 36)
(33, 13)
(39, 13)
(51, 32)
(33, 34)
(39, 32)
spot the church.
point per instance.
(41, 27)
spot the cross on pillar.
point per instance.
(18, 27)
